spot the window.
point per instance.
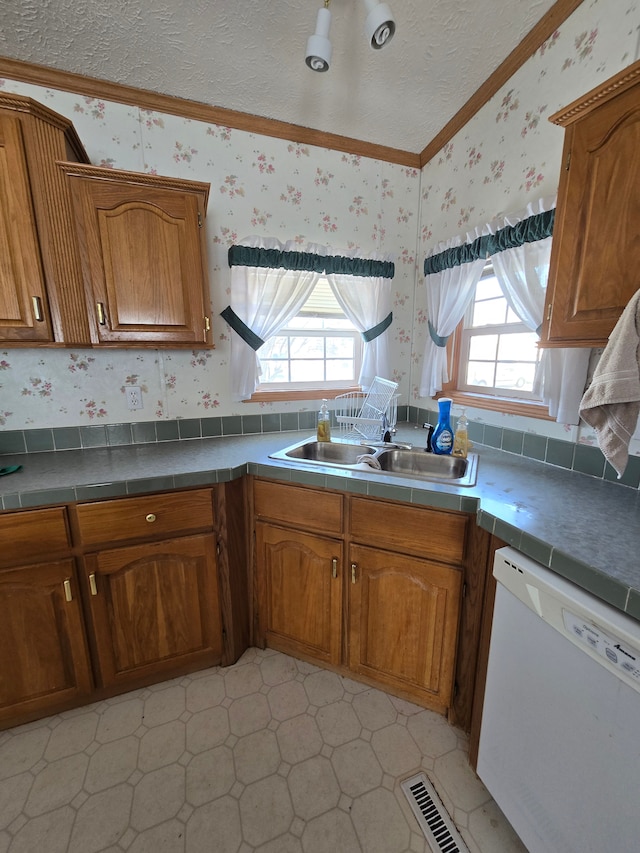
(494, 356)
(319, 348)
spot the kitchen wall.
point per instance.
(507, 155)
(259, 185)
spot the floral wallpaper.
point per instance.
(507, 155)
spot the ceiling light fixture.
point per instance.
(318, 45)
(380, 24)
(379, 28)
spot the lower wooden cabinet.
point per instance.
(403, 621)
(154, 608)
(300, 582)
(43, 651)
(389, 613)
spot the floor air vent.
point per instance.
(434, 821)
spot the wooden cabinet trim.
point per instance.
(625, 79)
(299, 506)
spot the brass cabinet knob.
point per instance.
(151, 518)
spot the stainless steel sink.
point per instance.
(325, 452)
(401, 462)
(430, 466)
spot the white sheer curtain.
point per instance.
(448, 295)
(522, 272)
(264, 300)
(367, 303)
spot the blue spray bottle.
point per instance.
(442, 441)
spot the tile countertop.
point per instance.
(585, 529)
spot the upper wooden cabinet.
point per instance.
(595, 255)
(41, 292)
(91, 256)
(143, 256)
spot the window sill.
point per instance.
(506, 405)
(310, 394)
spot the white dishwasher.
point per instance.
(560, 737)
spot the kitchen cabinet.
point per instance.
(44, 659)
(141, 241)
(595, 253)
(300, 574)
(103, 596)
(41, 291)
(154, 603)
(389, 613)
(404, 609)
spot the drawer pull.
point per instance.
(67, 590)
(92, 584)
(151, 518)
(334, 567)
(354, 568)
(102, 318)
(37, 308)
(207, 324)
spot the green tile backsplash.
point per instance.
(579, 457)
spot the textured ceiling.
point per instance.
(248, 55)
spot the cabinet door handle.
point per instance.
(92, 584)
(102, 317)
(354, 568)
(334, 567)
(207, 324)
(67, 590)
(150, 518)
(37, 308)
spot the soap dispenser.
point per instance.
(442, 440)
(324, 423)
(461, 437)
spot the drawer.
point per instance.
(303, 508)
(148, 517)
(435, 534)
(33, 535)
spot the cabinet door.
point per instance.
(24, 312)
(596, 250)
(155, 608)
(300, 592)
(142, 259)
(43, 656)
(403, 622)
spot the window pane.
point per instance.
(515, 376)
(307, 371)
(489, 313)
(274, 371)
(483, 347)
(307, 347)
(340, 369)
(487, 288)
(512, 317)
(517, 347)
(480, 373)
(339, 347)
(277, 347)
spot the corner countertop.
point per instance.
(585, 529)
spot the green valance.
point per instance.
(529, 230)
(253, 256)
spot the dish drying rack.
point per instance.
(359, 413)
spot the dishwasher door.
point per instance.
(560, 736)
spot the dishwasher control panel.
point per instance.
(618, 655)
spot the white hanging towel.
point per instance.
(611, 403)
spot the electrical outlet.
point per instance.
(134, 397)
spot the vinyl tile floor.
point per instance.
(270, 755)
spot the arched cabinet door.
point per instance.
(142, 248)
(595, 253)
(154, 608)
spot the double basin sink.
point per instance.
(393, 459)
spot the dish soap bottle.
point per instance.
(324, 423)
(461, 437)
(442, 440)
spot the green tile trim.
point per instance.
(633, 604)
(584, 576)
